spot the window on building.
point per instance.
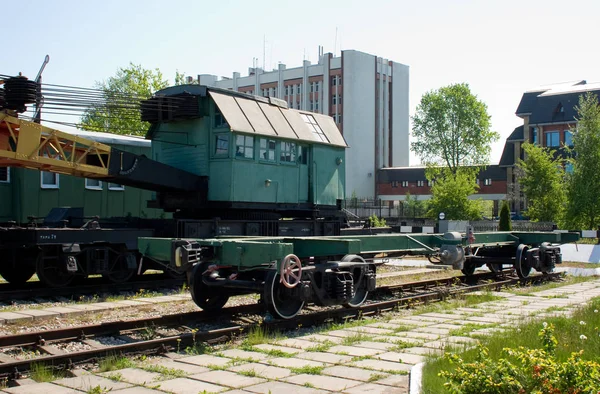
(552, 138)
(267, 149)
(312, 105)
(487, 182)
(312, 87)
(115, 186)
(394, 183)
(334, 80)
(314, 127)
(336, 99)
(4, 174)
(569, 168)
(404, 183)
(49, 180)
(93, 184)
(568, 138)
(287, 90)
(244, 146)
(316, 105)
(534, 135)
(287, 152)
(219, 119)
(420, 183)
(316, 86)
(298, 89)
(303, 151)
(222, 145)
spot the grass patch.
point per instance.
(249, 372)
(309, 385)
(355, 338)
(112, 363)
(402, 345)
(307, 369)
(258, 335)
(579, 332)
(321, 347)
(115, 377)
(41, 373)
(461, 301)
(273, 352)
(97, 390)
(375, 376)
(167, 373)
(468, 328)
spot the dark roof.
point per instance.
(548, 108)
(508, 155)
(413, 174)
(516, 135)
(528, 102)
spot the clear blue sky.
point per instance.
(501, 48)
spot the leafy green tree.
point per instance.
(505, 223)
(542, 181)
(118, 111)
(450, 194)
(452, 128)
(583, 191)
(414, 207)
(182, 79)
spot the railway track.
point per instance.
(186, 330)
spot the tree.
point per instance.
(181, 79)
(583, 191)
(542, 181)
(450, 194)
(452, 128)
(414, 207)
(505, 223)
(118, 110)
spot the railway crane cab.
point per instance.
(261, 162)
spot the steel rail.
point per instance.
(13, 369)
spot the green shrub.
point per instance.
(524, 371)
(374, 221)
(505, 224)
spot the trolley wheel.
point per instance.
(208, 298)
(19, 271)
(521, 264)
(119, 271)
(468, 268)
(280, 300)
(52, 270)
(495, 268)
(359, 282)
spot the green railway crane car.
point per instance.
(260, 160)
(291, 271)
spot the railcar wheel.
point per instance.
(52, 270)
(119, 271)
(468, 268)
(521, 264)
(21, 269)
(360, 284)
(206, 297)
(495, 268)
(281, 301)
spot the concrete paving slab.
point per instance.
(399, 339)
(296, 343)
(38, 388)
(137, 302)
(371, 330)
(135, 376)
(389, 326)
(487, 319)
(285, 349)
(400, 357)
(282, 387)
(380, 365)
(293, 362)
(189, 386)
(372, 388)
(228, 378)
(39, 314)
(205, 360)
(341, 333)
(433, 319)
(138, 390)
(243, 354)
(443, 316)
(412, 322)
(433, 330)
(376, 345)
(179, 367)
(423, 351)
(354, 351)
(319, 338)
(342, 371)
(330, 383)
(417, 335)
(400, 381)
(324, 357)
(63, 311)
(88, 307)
(14, 317)
(263, 370)
(88, 382)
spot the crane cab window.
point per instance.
(267, 149)
(244, 146)
(222, 145)
(220, 121)
(287, 153)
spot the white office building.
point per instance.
(366, 95)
